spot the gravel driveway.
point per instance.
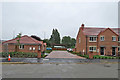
(62, 54)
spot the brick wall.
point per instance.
(12, 48)
(82, 45)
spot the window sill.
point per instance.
(92, 51)
(114, 41)
(92, 41)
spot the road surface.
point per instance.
(59, 71)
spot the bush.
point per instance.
(19, 54)
(48, 51)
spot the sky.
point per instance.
(39, 18)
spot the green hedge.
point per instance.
(104, 57)
(48, 51)
(96, 56)
(86, 56)
(19, 54)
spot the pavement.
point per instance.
(62, 54)
(60, 71)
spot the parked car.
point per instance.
(69, 49)
(48, 48)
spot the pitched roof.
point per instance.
(24, 40)
(96, 31)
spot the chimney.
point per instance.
(82, 26)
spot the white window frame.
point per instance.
(113, 37)
(102, 38)
(33, 48)
(94, 37)
(94, 48)
(21, 46)
(30, 48)
(38, 47)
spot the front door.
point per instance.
(113, 51)
(102, 51)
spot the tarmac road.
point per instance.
(60, 70)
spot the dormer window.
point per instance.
(92, 38)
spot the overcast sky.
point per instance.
(38, 18)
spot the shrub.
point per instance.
(48, 51)
(19, 54)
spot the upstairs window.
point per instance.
(21, 46)
(113, 38)
(102, 38)
(93, 39)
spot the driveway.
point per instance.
(62, 54)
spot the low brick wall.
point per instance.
(59, 49)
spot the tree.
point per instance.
(73, 41)
(19, 36)
(36, 37)
(55, 37)
(18, 41)
(68, 41)
(47, 42)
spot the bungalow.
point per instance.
(99, 41)
(27, 44)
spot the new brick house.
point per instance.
(99, 41)
(27, 44)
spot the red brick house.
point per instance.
(27, 44)
(100, 41)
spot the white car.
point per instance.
(69, 49)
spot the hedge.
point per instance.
(105, 57)
(19, 54)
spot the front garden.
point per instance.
(96, 56)
(24, 54)
(19, 55)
